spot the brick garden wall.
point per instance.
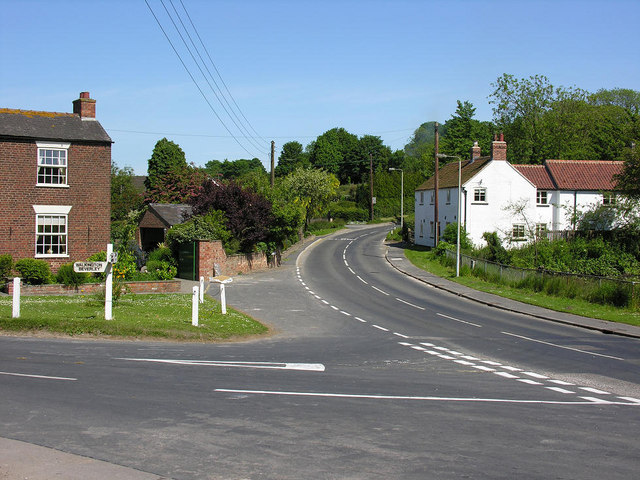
(160, 286)
(211, 253)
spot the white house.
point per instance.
(517, 201)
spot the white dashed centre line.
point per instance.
(458, 320)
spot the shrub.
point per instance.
(162, 254)
(33, 271)
(326, 225)
(162, 270)
(6, 265)
(611, 294)
(348, 211)
(67, 276)
(450, 235)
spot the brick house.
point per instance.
(55, 184)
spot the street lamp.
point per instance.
(442, 155)
(401, 194)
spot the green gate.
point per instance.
(187, 261)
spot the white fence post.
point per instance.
(16, 298)
(108, 286)
(223, 299)
(201, 289)
(194, 307)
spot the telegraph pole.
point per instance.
(371, 183)
(436, 224)
(273, 162)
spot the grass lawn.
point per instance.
(427, 261)
(155, 316)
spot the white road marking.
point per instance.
(561, 382)
(535, 375)
(309, 367)
(400, 335)
(561, 346)
(594, 390)
(416, 347)
(380, 328)
(446, 357)
(511, 369)
(529, 381)
(410, 304)
(492, 363)
(420, 398)
(463, 362)
(363, 281)
(334, 307)
(631, 399)
(559, 390)
(505, 375)
(482, 367)
(599, 401)
(469, 357)
(44, 377)
(325, 302)
(345, 313)
(405, 344)
(458, 320)
(351, 270)
(381, 291)
(360, 320)
(427, 344)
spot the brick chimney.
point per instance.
(499, 148)
(85, 107)
(475, 151)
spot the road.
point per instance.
(369, 374)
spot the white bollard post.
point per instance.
(194, 307)
(108, 286)
(223, 299)
(16, 298)
(201, 289)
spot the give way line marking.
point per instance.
(45, 377)
(591, 401)
(309, 367)
(561, 346)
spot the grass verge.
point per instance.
(426, 260)
(155, 316)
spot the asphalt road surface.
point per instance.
(369, 375)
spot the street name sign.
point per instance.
(89, 267)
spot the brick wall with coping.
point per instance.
(211, 253)
(159, 286)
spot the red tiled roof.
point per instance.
(537, 174)
(584, 174)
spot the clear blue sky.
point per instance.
(297, 68)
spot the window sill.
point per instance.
(52, 185)
(479, 203)
(542, 205)
(518, 239)
(51, 256)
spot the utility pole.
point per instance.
(436, 224)
(273, 162)
(371, 183)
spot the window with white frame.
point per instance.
(52, 230)
(52, 164)
(608, 198)
(541, 230)
(433, 196)
(421, 197)
(518, 232)
(448, 196)
(541, 197)
(480, 195)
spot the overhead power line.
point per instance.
(193, 79)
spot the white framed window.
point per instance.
(52, 164)
(433, 197)
(52, 230)
(608, 198)
(448, 196)
(542, 197)
(541, 229)
(480, 195)
(518, 232)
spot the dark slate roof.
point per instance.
(50, 126)
(171, 213)
(584, 174)
(448, 175)
(538, 175)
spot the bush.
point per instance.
(6, 265)
(67, 276)
(348, 211)
(450, 235)
(33, 271)
(162, 270)
(162, 254)
(326, 225)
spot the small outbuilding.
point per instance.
(159, 218)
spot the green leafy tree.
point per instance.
(335, 151)
(177, 186)
(232, 170)
(314, 189)
(124, 195)
(621, 97)
(291, 157)
(462, 130)
(629, 179)
(167, 157)
(520, 107)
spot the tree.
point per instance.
(248, 215)
(519, 112)
(178, 185)
(336, 151)
(124, 195)
(621, 97)
(167, 157)
(462, 131)
(291, 157)
(314, 189)
(233, 169)
(629, 179)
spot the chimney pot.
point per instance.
(84, 95)
(499, 149)
(85, 107)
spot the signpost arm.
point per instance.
(108, 286)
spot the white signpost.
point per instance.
(94, 267)
(222, 279)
